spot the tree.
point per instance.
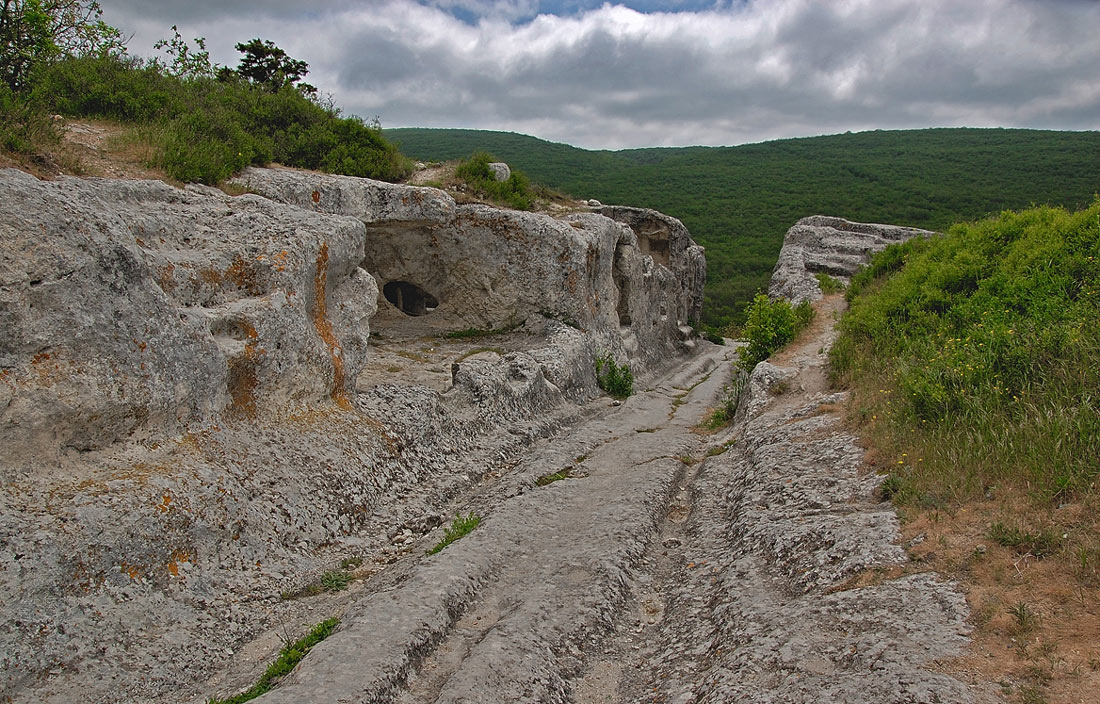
(187, 62)
(34, 32)
(267, 65)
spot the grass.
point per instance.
(331, 581)
(828, 284)
(460, 527)
(287, 660)
(547, 479)
(973, 363)
(1040, 543)
(724, 413)
(198, 129)
(975, 358)
(479, 350)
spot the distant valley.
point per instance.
(738, 201)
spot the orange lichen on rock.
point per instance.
(324, 328)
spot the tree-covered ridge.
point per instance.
(739, 201)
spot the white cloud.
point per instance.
(615, 77)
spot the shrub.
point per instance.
(769, 325)
(514, 192)
(614, 379)
(979, 353)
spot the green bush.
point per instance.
(514, 192)
(984, 346)
(24, 124)
(205, 129)
(614, 379)
(769, 326)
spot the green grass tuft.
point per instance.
(288, 659)
(460, 527)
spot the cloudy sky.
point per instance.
(632, 73)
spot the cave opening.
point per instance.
(409, 298)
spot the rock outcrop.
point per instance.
(828, 245)
(181, 435)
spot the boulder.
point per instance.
(135, 307)
(828, 245)
(501, 171)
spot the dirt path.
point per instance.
(670, 567)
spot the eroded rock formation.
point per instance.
(828, 245)
(181, 438)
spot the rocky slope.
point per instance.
(191, 424)
(825, 245)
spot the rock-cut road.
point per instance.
(669, 566)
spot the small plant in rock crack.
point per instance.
(288, 659)
(614, 379)
(727, 405)
(460, 526)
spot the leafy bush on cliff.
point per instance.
(514, 192)
(978, 358)
(614, 379)
(206, 129)
(769, 326)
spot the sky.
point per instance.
(640, 73)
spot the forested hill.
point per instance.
(738, 201)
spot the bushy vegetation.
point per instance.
(769, 325)
(978, 357)
(739, 201)
(207, 129)
(513, 192)
(614, 379)
(205, 122)
(288, 659)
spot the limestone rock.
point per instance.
(668, 242)
(456, 267)
(833, 246)
(133, 306)
(501, 171)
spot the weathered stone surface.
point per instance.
(833, 246)
(181, 439)
(667, 240)
(501, 171)
(477, 266)
(132, 306)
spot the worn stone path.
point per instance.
(670, 567)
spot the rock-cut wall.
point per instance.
(826, 245)
(181, 434)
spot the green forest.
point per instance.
(739, 201)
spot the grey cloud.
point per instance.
(612, 77)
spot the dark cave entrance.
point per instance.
(409, 298)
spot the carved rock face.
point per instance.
(833, 246)
(461, 266)
(133, 305)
